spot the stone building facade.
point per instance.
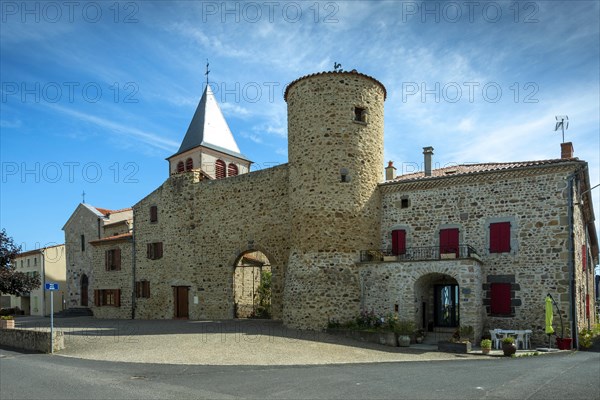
(477, 245)
(87, 223)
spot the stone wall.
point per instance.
(120, 279)
(35, 340)
(205, 227)
(533, 200)
(335, 163)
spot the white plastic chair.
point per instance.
(496, 338)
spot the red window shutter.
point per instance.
(189, 164)
(107, 259)
(500, 298)
(97, 298)
(587, 306)
(220, 169)
(149, 251)
(584, 256)
(117, 295)
(500, 237)
(449, 241)
(159, 250)
(180, 167)
(146, 289)
(117, 261)
(232, 170)
(398, 242)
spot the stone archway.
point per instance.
(438, 302)
(252, 285)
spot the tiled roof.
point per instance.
(353, 72)
(122, 236)
(105, 211)
(36, 251)
(465, 169)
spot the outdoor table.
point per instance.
(522, 337)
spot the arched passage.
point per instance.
(252, 285)
(438, 301)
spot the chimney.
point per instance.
(428, 152)
(390, 171)
(566, 150)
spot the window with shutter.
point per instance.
(153, 213)
(398, 242)
(117, 297)
(232, 170)
(500, 237)
(97, 298)
(154, 251)
(500, 299)
(189, 164)
(449, 241)
(117, 263)
(180, 167)
(220, 171)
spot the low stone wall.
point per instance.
(31, 340)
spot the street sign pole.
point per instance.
(51, 287)
(52, 322)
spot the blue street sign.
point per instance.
(51, 286)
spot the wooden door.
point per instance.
(84, 290)
(180, 296)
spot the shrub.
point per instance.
(7, 317)
(508, 340)
(486, 344)
(586, 338)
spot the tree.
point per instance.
(12, 281)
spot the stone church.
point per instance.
(477, 244)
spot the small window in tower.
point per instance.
(344, 177)
(220, 169)
(232, 170)
(189, 164)
(180, 167)
(360, 114)
(404, 202)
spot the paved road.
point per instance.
(552, 376)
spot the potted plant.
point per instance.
(508, 346)
(564, 342)
(404, 329)
(7, 322)
(419, 335)
(460, 341)
(486, 346)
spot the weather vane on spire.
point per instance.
(207, 71)
(83, 196)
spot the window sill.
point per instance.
(359, 122)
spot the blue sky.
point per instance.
(95, 95)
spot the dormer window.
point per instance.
(189, 164)
(220, 169)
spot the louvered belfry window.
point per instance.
(232, 170)
(220, 167)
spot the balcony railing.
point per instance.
(420, 254)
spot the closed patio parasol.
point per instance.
(549, 316)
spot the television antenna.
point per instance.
(562, 123)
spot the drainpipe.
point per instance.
(571, 260)
(43, 284)
(133, 304)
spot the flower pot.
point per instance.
(7, 324)
(485, 350)
(403, 340)
(509, 349)
(564, 343)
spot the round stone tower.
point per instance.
(335, 150)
